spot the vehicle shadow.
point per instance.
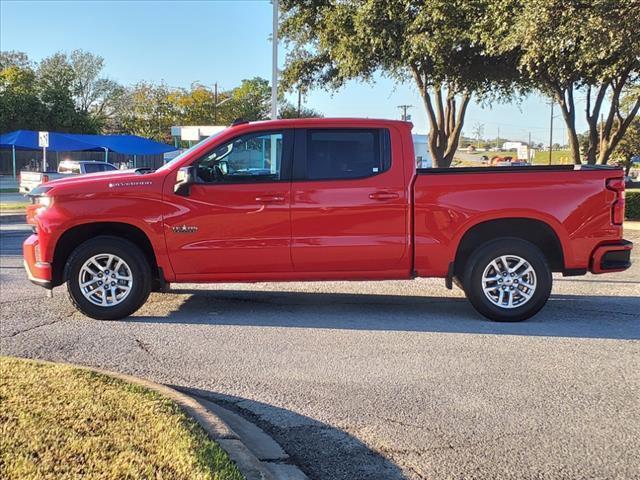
(580, 316)
(318, 449)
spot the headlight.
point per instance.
(44, 201)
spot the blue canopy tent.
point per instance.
(71, 142)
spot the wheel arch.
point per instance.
(78, 234)
(535, 231)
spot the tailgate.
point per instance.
(29, 181)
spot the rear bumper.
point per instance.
(614, 257)
(37, 271)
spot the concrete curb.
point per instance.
(216, 428)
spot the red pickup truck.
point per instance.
(324, 199)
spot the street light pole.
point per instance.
(215, 103)
(274, 66)
(551, 133)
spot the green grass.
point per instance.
(8, 190)
(9, 206)
(62, 422)
(558, 157)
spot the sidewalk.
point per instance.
(632, 225)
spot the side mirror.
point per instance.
(184, 179)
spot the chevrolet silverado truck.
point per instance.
(31, 180)
(324, 199)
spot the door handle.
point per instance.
(383, 196)
(270, 198)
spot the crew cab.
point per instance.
(324, 199)
(30, 180)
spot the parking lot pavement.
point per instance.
(379, 380)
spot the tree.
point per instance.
(567, 48)
(196, 105)
(433, 42)
(288, 110)
(251, 100)
(478, 131)
(12, 58)
(151, 110)
(20, 107)
(94, 95)
(55, 79)
(629, 145)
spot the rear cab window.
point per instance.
(73, 169)
(342, 153)
(95, 167)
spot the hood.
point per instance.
(87, 177)
(93, 182)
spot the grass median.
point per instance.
(57, 421)
(12, 206)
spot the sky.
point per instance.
(226, 41)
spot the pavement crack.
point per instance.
(20, 332)
(145, 347)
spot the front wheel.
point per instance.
(507, 280)
(108, 278)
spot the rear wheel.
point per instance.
(507, 280)
(108, 278)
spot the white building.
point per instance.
(421, 149)
(511, 145)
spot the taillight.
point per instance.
(45, 178)
(617, 211)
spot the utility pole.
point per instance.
(215, 103)
(274, 63)
(299, 101)
(404, 109)
(529, 150)
(551, 133)
(498, 140)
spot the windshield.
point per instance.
(188, 151)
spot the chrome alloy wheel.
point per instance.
(105, 280)
(509, 281)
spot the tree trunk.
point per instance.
(445, 120)
(567, 106)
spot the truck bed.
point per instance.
(572, 200)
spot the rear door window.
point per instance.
(333, 154)
(92, 168)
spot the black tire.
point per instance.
(134, 258)
(483, 256)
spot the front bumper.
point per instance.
(615, 257)
(38, 272)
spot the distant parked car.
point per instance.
(30, 180)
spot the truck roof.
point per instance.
(345, 121)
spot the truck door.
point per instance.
(236, 217)
(350, 207)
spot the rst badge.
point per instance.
(185, 229)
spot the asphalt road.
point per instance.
(401, 381)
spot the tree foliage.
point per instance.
(433, 42)
(289, 110)
(68, 93)
(567, 48)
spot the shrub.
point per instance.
(633, 204)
